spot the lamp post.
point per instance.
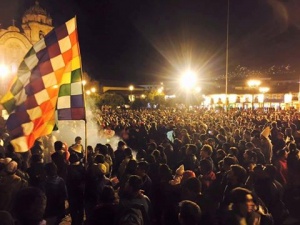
(131, 97)
(253, 84)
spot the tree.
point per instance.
(110, 99)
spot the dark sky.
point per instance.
(139, 41)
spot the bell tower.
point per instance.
(36, 23)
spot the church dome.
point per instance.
(36, 9)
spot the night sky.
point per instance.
(142, 41)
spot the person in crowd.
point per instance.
(6, 218)
(242, 208)
(95, 180)
(60, 157)
(142, 170)
(77, 148)
(207, 175)
(232, 133)
(10, 183)
(282, 168)
(191, 190)
(128, 156)
(36, 171)
(107, 208)
(134, 196)
(266, 145)
(29, 207)
(206, 153)
(190, 160)
(56, 193)
(189, 213)
(75, 186)
(119, 157)
(236, 177)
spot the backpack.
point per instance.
(130, 216)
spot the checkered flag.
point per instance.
(48, 78)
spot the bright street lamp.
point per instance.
(188, 80)
(131, 96)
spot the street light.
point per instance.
(188, 80)
(93, 90)
(131, 97)
(253, 84)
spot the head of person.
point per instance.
(51, 169)
(282, 154)
(99, 158)
(9, 166)
(78, 140)
(121, 145)
(133, 184)
(189, 213)
(236, 174)
(205, 166)
(131, 166)
(58, 145)
(142, 168)
(165, 172)
(36, 159)
(220, 154)
(128, 152)
(103, 149)
(6, 218)
(206, 151)
(192, 186)
(186, 175)
(242, 201)
(250, 156)
(191, 149)
(29, 207)
(107, 195)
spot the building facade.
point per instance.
(15, 42)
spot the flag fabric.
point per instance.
(48, 78)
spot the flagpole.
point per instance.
(84, 102)
(227, 43)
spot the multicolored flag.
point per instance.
(48, 78)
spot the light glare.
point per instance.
(188, 80)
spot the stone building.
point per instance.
(15, 42)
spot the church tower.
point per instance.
(36, 23)
(14, 43)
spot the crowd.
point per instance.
(171, 166)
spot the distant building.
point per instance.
(15, 42)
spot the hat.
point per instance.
(266, 132)
(180, 170)
(74, 158)
(10, 165)
(102, 168)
